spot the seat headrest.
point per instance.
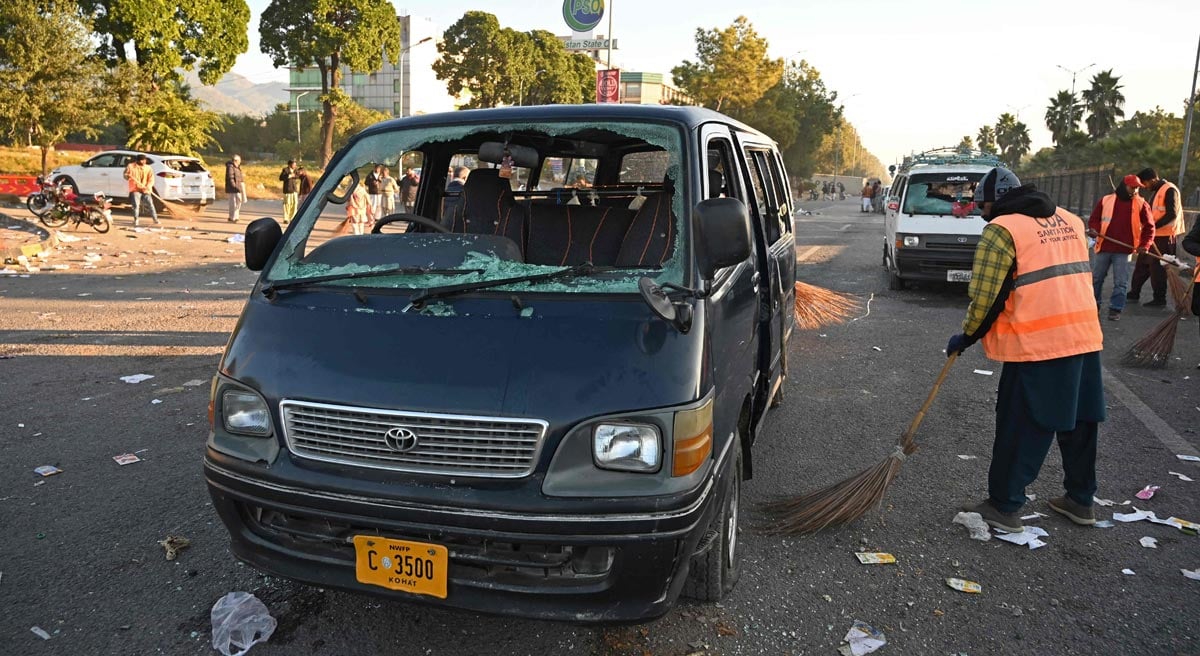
(486, 183)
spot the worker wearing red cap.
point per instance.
(1167, 213)
(1122, 216)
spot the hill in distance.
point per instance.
(235, 94)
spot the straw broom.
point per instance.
(817, 306)
(1154, 350)
(852, 498)
(179, 209)
(1179, 289)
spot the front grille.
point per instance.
(952, 243)
(445, 444)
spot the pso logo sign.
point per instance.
(583, 15)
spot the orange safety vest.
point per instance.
(1106, 214)
(1051, 312)
(1158, 209)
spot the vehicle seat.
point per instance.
(566, 235)
(488, 207)
(650, 239)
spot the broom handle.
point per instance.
(937, 385)
(1157, 257)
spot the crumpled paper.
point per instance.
(975, 524)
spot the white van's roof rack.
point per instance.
(947, 156)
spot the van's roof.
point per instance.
(946, 168)
(690, 117)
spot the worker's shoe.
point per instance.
(1010, 522)
(1131, 297)
(1157, 302)
(1080, 514)
(1114, 315)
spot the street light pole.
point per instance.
(404, 51)
(298, 97)
(1187, 131)
(1073, 74)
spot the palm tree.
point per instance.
(965, 145)
(1062, 115)
(1012, 136)
(986, 139)
(1104, 101)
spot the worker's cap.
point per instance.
(1132, 180)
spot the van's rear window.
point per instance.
(936, 193)
(185, 165)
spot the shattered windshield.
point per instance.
(948, 194)
(462, 204)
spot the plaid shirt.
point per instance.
(995, 256)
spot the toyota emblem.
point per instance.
(400, 439)
(962, 240)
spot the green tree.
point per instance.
(1062, 115)
(330, 34)
(160, 116)
(559, 76)
(797, 112)
(207, 35)
(1012, 136)
(965, 144)
(985, 139)
(1104, 101)
(49, 85)
(733, 70)
(475, 52)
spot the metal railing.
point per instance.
(1077, 191)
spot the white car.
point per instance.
(176, 177)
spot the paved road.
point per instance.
(79, 558)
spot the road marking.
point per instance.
(807, 253)
(1155, 424)
(845, 227)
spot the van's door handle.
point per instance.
(754, 279)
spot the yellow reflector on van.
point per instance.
(693, 439)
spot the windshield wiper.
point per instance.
(269, 290)
(579, 270)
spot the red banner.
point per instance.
(608, 86)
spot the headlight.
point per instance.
(245, 412)
(627, 447)
(912, 240)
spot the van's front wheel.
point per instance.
(715, 571)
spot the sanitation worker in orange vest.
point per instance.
(1121, 216)
(1031, 308)
(1166, 211)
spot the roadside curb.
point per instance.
(30, 240)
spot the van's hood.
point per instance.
(574, 357)
(929, 224)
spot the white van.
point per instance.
(931, 224)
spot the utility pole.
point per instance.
(610, 36)
(1187, 130)
(1073, 74)
(298, 97)
(404, 51)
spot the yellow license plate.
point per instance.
(416, 567)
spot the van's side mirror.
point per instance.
(262, 236)
(723, 227)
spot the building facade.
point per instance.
(407, 88)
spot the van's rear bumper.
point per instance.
(924, 263)
(597, 568)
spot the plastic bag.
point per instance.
(240, 621)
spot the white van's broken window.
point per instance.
(514, 215)
(938, 193)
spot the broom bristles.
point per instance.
(1154, 350)
(181, 210)
(816, 306)
(840, 503)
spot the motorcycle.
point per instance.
(70, 206)
(44, 199)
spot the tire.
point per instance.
(100, 223)
(39, 204)
(714, 572)
(895, 282)
(52, 220)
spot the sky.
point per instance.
(911, 74)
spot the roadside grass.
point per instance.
(28, 161)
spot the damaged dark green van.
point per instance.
(537, 393)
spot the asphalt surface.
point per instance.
(79, 556)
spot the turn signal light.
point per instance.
(692, 439)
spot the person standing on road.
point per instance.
(291, 190)
(387, 190)
(1030, 307)
(305, 181)
(1125, 217)
(868, 192)
(841, 190)
(1166, 211)
(235, 187)
(825, 190)
(408, 190)
(141, 188)
(876, 196)
(359, 212)
(1191, 244)
(374, 181)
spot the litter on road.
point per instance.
(136, 378)
(1104, 523)
(862, 638)
(1135, 516)
(1128, 572)
(965, 457)
(1193, 574)
(240, 621)
(1180, 476)
(962, 585)
(155, 401)
(875, 558)
(237, 239)
(974, 523)
(47, 470)
(1103, 502)
(983, 372)
(126, 459)
(1188, 458)
(1148, 542)
(1147, 492)
(39, 632)
(1036, 515)
(1028, 537)
(195, 383)
(173, 544)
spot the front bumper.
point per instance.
(924, 263)
(599, 567)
